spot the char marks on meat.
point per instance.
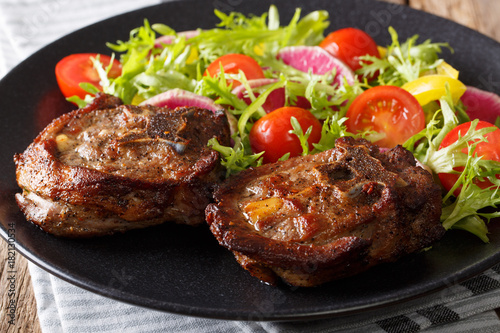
(317, 218)
(109, 168)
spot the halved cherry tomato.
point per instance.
(234, 62)
(389, 110)
(271, 133)
(77, 68)
(488, 150)
(349, 44)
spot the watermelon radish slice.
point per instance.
(276, 98)
(316, 59)
(481, 104)
(168, 39)
(240, 90)
(181, 98)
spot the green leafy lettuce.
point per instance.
(467, 211)
(403, 62)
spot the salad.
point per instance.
(288, 90)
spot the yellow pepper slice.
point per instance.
(445, 68)
(193, 56)
(137, 100)
(430, 88)
(382, 51)
(259, 49)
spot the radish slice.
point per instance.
(276, 98)
(481, 104)
(316, 59)
(181, 98)
(168, 39)
(240, 90)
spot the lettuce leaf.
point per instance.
(403, 62)
(465, 212)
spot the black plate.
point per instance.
(181, 269)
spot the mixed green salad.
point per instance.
(288, 90)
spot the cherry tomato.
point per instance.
(232, 63)
(349, 44)
(271, 133)
(389, 110)
(77, 68)
(488, 150)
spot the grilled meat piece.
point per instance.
(320, 217)
(109, 168)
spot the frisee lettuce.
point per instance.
(403, 62)
(235, 159)
(465, 211)
(303, 137)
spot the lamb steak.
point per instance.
(316, 218)
(109, 168)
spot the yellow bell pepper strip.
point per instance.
(382, 51)
(445, 68)
(430, 88)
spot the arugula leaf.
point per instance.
(255, 108)
(303, 137)
(80, 103)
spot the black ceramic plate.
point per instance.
(181, 269)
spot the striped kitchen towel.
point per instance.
(466, 307)
(26, 26)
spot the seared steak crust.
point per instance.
(111, 167)
(320, 217)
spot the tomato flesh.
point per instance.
(349, 44)
(78, 68)
(488, 150)
(234, 62)
(389, 110)
(271, 133)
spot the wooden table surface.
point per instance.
(481, 15)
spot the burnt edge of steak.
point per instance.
(109, 168)
(317, 218)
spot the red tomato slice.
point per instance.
(77, 68)
(271, 133)
(488, 150)
(389, 110)
(349, 44)
(232, 63)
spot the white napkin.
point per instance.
(26, 26)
